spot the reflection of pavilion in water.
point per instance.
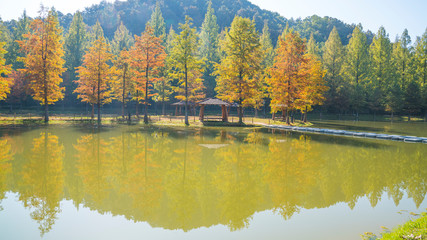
(187, 180)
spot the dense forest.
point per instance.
(341, 67)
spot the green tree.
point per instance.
(122, 40)
(236, 72)
(333, 57)
(381, 68)
(401, 57)
(76, 42)
(184, 56)
(157, 22)
(421, 57)
(412, 98)
(208, 48)
(355, 67)
(312, 47)
(394, 98)
(17, 34)
(267, 47)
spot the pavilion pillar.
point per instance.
(202, 113)
(176, 110)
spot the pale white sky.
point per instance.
(394, 15)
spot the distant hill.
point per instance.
(136, 13)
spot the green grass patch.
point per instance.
(411, 230)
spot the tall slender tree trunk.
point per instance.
(93, 111)
(137, 103)
(46, 104)
(163, 107)
(99, 98)
(186, 96)
(305, 114)
(146, 97)
(240, 100)
(124, 93)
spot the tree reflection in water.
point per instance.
(186, 179)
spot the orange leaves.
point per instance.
(296, 78)
(44, 61)
(5, 82)
(95, 74)
(148, 55)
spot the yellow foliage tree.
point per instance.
(148, 56)
(95, 76)
(296, 78)
(313, 87)
(236, 71)
(195, 87)
(124, 81)
(43, 47)
(5, 82)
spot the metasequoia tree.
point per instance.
(313, 85)
(95, 76)
(195, 88)
(184, 58)
(209, 48)
(287, 75)
(5, 82)
(124, 82)
(148, 55)
(44, 60)
(241, 61)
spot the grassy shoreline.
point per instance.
(25, 120)
(412, 229)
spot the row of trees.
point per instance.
(146, 66)
(236, 64)
(382, 76)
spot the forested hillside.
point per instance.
(136, 13)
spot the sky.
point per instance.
(394, 15)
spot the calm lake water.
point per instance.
(131, 182)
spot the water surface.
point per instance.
(131, 182)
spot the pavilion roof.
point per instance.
(182, 103)
(213, 101)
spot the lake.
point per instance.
(136, 182)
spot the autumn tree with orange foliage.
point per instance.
(148, 55)
(44, 61)
(95, 76)
(296, 78)
(5, 82)
(19, 89)
(313, 88)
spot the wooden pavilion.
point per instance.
(179, 105)
(214, 102)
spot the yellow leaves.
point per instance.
(5, 82)
(236, 81)
(148, 56)
(296, 78)
(95, 74)
(44, 61)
